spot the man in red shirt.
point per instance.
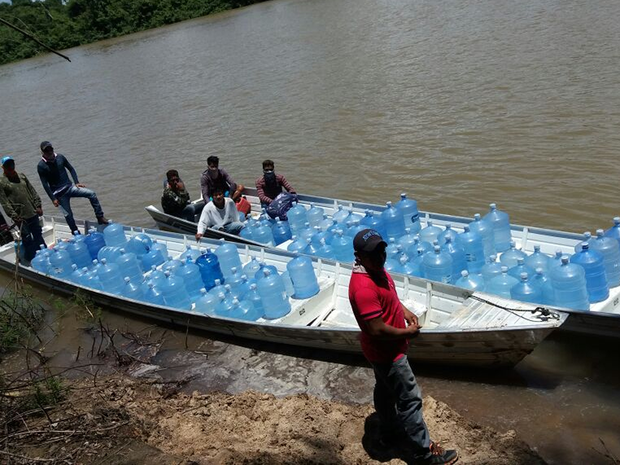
(387, 325)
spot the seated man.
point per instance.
(220, 214)
(270, 185)
(216, 178)
(175, 199)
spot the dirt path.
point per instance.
(121, 420)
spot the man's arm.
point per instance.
(204, 187)
(379, 330)
(287, 185)
(202, 222)
(260, 189)
(43, 172)
(69, 166)
(8, 208)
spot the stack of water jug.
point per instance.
(468, 259)
(207, 282)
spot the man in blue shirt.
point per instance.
(52, 170)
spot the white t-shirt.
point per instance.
(212, 216)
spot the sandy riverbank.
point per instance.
(121, 420)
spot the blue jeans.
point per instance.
(233, 228)
(190, 211)
(65, 204)
(398, 402)
(32, 237)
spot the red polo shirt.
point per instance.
(377, 299)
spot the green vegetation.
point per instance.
(20, 318)
(61, 25)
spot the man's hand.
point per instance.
(198, 237)
(39, 211)
(79, 184)
(413, 330)
(55, 202)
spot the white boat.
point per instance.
(603, 318)
(459, 327)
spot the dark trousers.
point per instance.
(32, 237)
(398, 402)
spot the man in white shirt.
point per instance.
(221, 214)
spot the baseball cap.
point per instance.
(5, 159)
(367, 240)
(45, 144)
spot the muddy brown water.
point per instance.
(458, 104)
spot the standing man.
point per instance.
(52, 170)
(270, 184)
(220, 214)
(387, 325)
(175, 199)
(214, 178)
(22, 203)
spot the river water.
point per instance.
(457, 103)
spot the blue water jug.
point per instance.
(302, 275)
(251, 267)
(410, 267)
(538, 259)
(209, 269)
(485, 229)
(594, 266)
(297, 218)
(430, 232)
(94, 241)
(556, 260)
(326, 223)
(509, 257)
(244, 310)
(456, 252)
(133, 290)
(437, 266)
(248, 231)
(587, 238)
(413, 250)
(525, 291)
(341, 215)
(263, 266)
(153, 295)
(393, 250)
(130, 266)
(228, 257)
(174, 293)
(114, 234)
(409, 210)
(393, 222)
(297, 245)
(161, 247)
(448, 232)
(152, 258)
(288, 284)
(472, 281)
(172, 265)
(311, 248)
(393, 265)
(519, 268)
(273, 295)
(320, 235)
(60, 263)
(614, 231)
(502, 284)
(91, 280)
(281, 231)
(326, 251)
(80, 254)
(139, 245)
(157, 277)
(409, 239)
(238, 283)
(224, 305)
(569, 285)
(189, 273)
(501, 228)
(217, 289)
(544, 283)
(255, 299)
(40, 262)
(473, 246)
(263, 235)
(110, 277)
(76, 273)
(491, 269)
(315, 215)
(206, 303)
(190, 252)
(306, 233)
(343, 248)
(610, 250)
(353, 227)
(110, 253)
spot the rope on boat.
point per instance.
(539, 313)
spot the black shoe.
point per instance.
(102, 220)
(439, 457)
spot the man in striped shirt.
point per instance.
(270, 184)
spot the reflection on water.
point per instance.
(459, 104)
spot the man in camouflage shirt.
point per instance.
(175, 199)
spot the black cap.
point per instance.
(367, 240)
(45, 144)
